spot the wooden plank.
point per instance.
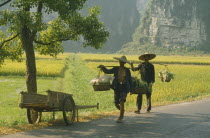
(86, 106)
(32, 105)
(49, 91)
(33, 98)
(55, 99)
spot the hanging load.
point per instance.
(101, 82)
(165, 75)
(139, 86)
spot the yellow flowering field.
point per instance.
(46, 66)
(159, 59)
(191, 81)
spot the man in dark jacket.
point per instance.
(122, 84)
(147, 72)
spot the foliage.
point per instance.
(8, 51)
(137, 48)
(89, 27)
(27, 32)
(137, 83)
(140, 86)
(69, 25)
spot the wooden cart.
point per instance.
(52, 102)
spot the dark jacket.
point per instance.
(115, 83)
(147, 72)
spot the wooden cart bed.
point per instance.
(53, 100)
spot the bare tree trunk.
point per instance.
(31, 82)
(30, 69)
(27, 38)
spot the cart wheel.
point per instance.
(68, 110)
(33, 116)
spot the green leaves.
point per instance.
(90, 28)
(12, 49)
(64, 7)
(94, 11)
(94, 32)
(47, 38)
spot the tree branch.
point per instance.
(39, 8)
(2, 44)
(5, 3)
(43, 43)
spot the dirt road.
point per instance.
(185, 120)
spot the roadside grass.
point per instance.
(76, 82)
(13, 118)
(12, 82)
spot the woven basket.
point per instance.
(142, 90)
(103, 87)
(166, 80)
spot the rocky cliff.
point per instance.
(174, 24)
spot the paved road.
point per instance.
(183, 120)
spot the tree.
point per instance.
(27, 32)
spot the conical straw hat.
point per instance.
(122, 58)
(147, 56)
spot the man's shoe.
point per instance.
(137, 111)
(148, 111)
(119, 121)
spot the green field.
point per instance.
(72, 75)
(12, 81)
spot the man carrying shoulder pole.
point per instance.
(122, 84)
(147, 73)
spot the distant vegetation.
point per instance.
(137, 48)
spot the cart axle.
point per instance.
(77, 107)
(87, 106)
